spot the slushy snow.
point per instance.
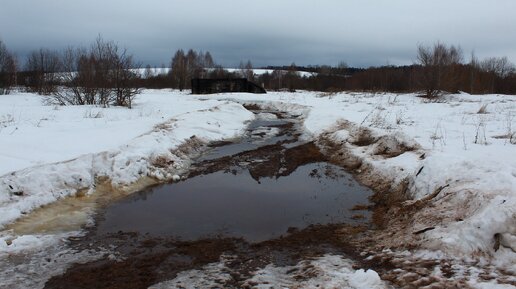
(328, 271)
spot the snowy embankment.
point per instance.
(462, 143)
(48, 153)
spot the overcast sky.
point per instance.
(269, 32)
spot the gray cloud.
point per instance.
(360, 32)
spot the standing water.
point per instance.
(257, 188)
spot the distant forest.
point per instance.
(105, 74)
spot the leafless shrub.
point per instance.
(99, 76)
(500, 66)
(43, 67)
(379, 119)
(438, 65)
(163, 126)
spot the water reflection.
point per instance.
(236, 205)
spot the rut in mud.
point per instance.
(268, 198)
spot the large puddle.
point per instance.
(236, 205)
(257, 188)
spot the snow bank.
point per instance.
(152, 153)
(425, 145)
(33, 134)
(455, 147)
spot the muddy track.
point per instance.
(141, 260)
(146, 260)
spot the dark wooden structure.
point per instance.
(207, 86)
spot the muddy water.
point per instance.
(238, 197)
(236, 205)
(242, 191)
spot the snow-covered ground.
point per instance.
(461, 142)
(33, 134)
(48, 153)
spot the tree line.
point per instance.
(438, 69)
(104, 74)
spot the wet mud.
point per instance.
(270, 153)
(148, 260)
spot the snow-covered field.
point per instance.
(462, 142)
(257, 71)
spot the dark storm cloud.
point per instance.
(361, 33)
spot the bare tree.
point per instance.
(71, 93)
(43, 66)
(185, 67)
(291, 76)
(103, 75)
(124, 79)
(148, 73)
(500, 66)
(246, 70)
(178, 70)
(496, 69)
(8, 68)
(438, 66)
(194, 62)
(208, 60)
(218, 72)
